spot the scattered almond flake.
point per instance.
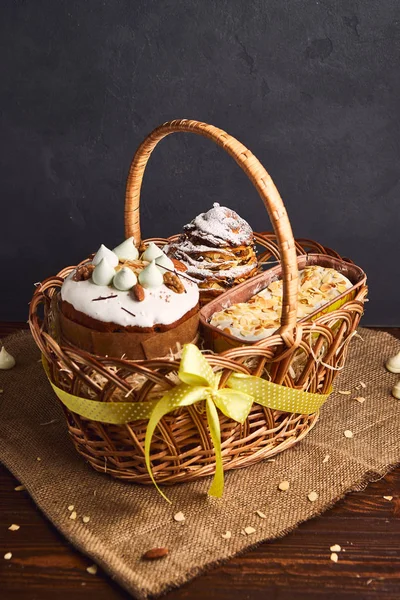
(363, 385)
(389, 498)
(335, 548)
(8, 555)
(92, 569)
(348, 434)
(73, 515)
(344, 392)
(38, 458)
(19, 488)
(71, 507)
(283, 486)
(326, 458)
(334, 557)
(312, 496)
(249, 530)
(360, 399)
(243, 532)
(14, 527)
(261, 514)
(271, 460)
(86, 519)
(179, 517)
(369, 581)
(227, 535)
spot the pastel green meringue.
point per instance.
(151, 277)
(164, 261)
(104, 252)
(6, 360)
(103, 273)
(124, 280)
(127, 250)
(152, 252)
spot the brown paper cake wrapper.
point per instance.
(135, 346)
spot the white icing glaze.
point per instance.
(164, 261)
(160, 305)
(152, 252)
(103, 273)
(127, 250)
(151, 277)
(104, 252)
(124, 280)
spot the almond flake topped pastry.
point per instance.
(259, 317)
(217, 248)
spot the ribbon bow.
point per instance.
(199, 382)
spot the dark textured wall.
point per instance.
(312, 88)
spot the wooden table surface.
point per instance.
(44, 566)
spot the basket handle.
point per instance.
(257, 175)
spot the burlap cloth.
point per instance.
(126, 519)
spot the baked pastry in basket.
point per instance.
(259, 317)
(217, 248)
(120, 305)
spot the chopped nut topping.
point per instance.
(335, 548)
(83, 273)
(388, 498)
(138, 292)
(14, 527)
(283, 486)
(348, 434)
(8, 555)
(326, 458)
(227, 535)
(173, 282)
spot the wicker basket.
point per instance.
(181, 448)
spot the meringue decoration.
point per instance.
(152, 252)
(164, 261)
(124, 280)
(104, 252)
(103, 273)
(6, 360)
(127, 250)
(151, 277)
(396, 390)
(393, 364)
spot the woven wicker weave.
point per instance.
(305, 356)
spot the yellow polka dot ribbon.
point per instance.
(199, 382)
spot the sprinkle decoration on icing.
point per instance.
(125, 279)
(152, 252)
(103, 273)
(151, 276)
(104, 252)
(127, 250)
